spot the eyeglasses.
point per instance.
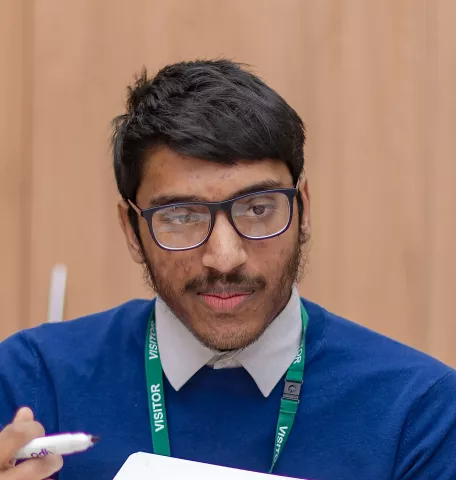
(254, 216)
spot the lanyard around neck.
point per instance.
(156, 395)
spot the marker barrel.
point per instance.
(63, 444)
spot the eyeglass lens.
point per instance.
(255, 216)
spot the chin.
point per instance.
(231, 338)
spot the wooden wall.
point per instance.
(15, 164)
(373, 80)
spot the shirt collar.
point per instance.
(266, 360)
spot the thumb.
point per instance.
(24, 414)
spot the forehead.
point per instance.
(167, 173)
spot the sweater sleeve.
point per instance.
(428, 442)
(18, 377)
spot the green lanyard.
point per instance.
(157, 410)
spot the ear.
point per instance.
(303, 188)
(130, 236)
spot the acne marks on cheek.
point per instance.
(270, 245)
(183, 265)
(160, 265)
(261, 244)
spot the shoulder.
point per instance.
(369, 355)
(41, 360)
(80, 336)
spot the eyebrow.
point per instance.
(167, 199)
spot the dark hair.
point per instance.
(214, 110)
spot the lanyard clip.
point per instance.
(291, 390)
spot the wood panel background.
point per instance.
(373, 81)
(15, 91)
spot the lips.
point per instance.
(224, 301)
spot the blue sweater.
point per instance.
(371, 408)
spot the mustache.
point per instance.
(226, 281)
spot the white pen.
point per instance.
(61, 444)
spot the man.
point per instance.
(228, 366)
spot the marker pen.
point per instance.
(62, 444)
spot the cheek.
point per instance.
(272, 254)
(186, 266)
(277, 247)
(176, 267)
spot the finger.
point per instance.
(35, 468)
(16, 435)
(24, 414)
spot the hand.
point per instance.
(14, 436)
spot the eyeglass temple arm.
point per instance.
(134, 207)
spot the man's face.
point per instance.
(229, 289)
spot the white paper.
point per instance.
(146, 466)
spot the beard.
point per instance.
(292, 272)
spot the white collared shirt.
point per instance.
(266, 360)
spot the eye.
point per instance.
(183, 218)
(259, 210)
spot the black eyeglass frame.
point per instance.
(214, 207)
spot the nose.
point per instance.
(224, 250)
